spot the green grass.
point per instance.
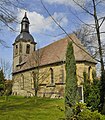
(20, 108)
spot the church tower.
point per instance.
(24, 44)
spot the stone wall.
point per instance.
(46, 86)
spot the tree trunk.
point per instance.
(102, 87)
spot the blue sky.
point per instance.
(42, 27)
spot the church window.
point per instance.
(61, 75)
(89, 69)
(28, 49)
(33, 81)
(52, 75)
(16, 50)
(22, 81)
(20, 48)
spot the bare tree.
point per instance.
(88, 39)
(39, 76)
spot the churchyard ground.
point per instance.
(21, 108)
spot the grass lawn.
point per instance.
(20, 108)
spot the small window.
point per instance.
(52, 76)
(16, 49)
(80, 92)
(28, 49)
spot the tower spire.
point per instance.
(25, 14)
(25, 24)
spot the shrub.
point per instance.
(82, 112)
(88, 115)
(102, 117)
(92, 92)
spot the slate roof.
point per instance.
(55, 52)
(24, 36)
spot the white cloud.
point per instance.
(66, 2)
(39, 23)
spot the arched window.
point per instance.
(61, 75)
(22, 81)
(89, 69)
(28, 49)
(20, 48)
(52, 75)
(33, 81)
(16, 49)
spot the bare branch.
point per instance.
(102, 22)
(90, 25)
(83, 8)
(3, 43)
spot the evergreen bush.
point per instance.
(71, 82)
(92, 92)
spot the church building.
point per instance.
(42, 71)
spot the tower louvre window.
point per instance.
(20, 48)
(26, 26)
(28, 49)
